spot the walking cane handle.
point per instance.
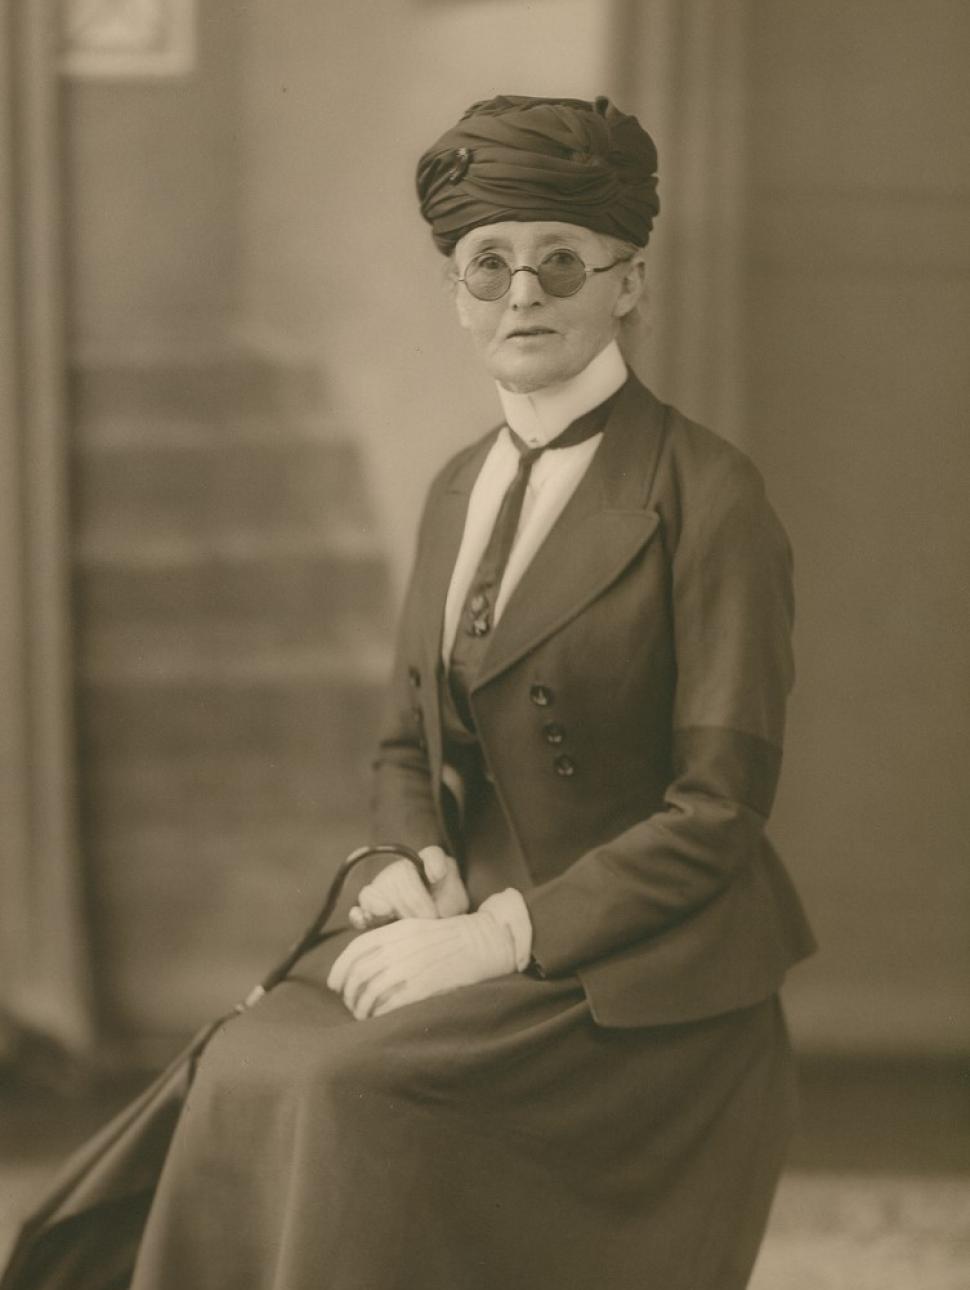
(312, 934)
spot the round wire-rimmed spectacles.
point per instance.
(560, 273)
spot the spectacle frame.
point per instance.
(561, 273)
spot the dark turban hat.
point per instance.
(514, 158)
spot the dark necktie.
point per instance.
(477, 615)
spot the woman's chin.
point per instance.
(525, 377)
(515, 386)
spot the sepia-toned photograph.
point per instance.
(484, 645)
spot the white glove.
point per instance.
(416, 958)
(398, 892)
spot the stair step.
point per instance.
(219, 493)
(186, 925)
(226, 395)
(174, 719)
(233, 645)
(207, 791)
(302, 595)
(337, 650)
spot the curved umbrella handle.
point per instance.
(312, 934)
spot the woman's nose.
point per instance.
(525, 288)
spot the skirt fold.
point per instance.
(488, 1139)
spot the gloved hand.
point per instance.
(398, 892)
(416, 958)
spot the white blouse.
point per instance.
(536, 418)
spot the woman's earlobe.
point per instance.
(452, 286)
(634, 288)
(461, 305)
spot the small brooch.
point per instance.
(458, 171)
(585, 157)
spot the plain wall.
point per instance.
(267, 200)
(153, 183)
(859, 307)
(339, 267)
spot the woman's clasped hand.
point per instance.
(398, 892)
(420, 940)
(415, 958)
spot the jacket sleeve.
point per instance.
(732, 613)
(403, 807)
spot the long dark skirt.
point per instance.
(494, 1138)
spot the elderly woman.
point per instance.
(563, 1062)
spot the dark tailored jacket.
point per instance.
(630, 709)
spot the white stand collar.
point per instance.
(539, 417)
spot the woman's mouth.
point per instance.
(528, 332)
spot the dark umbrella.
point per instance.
(85, 1232)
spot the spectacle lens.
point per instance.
(561, 273)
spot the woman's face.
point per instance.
(529, 339)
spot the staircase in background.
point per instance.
(233, 637)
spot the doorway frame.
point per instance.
(45, 964)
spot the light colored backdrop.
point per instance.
(267, 201)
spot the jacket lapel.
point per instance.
(445, 525)
(601, 529)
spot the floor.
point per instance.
(876, 1197)
(838, 1231)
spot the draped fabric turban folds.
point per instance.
(515, 158)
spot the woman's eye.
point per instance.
(490, 263)
(562, 259)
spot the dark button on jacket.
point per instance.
(540, 695)
(553, 732)
(565, 766)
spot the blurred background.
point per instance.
(229, 367)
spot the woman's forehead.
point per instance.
(521, 235)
